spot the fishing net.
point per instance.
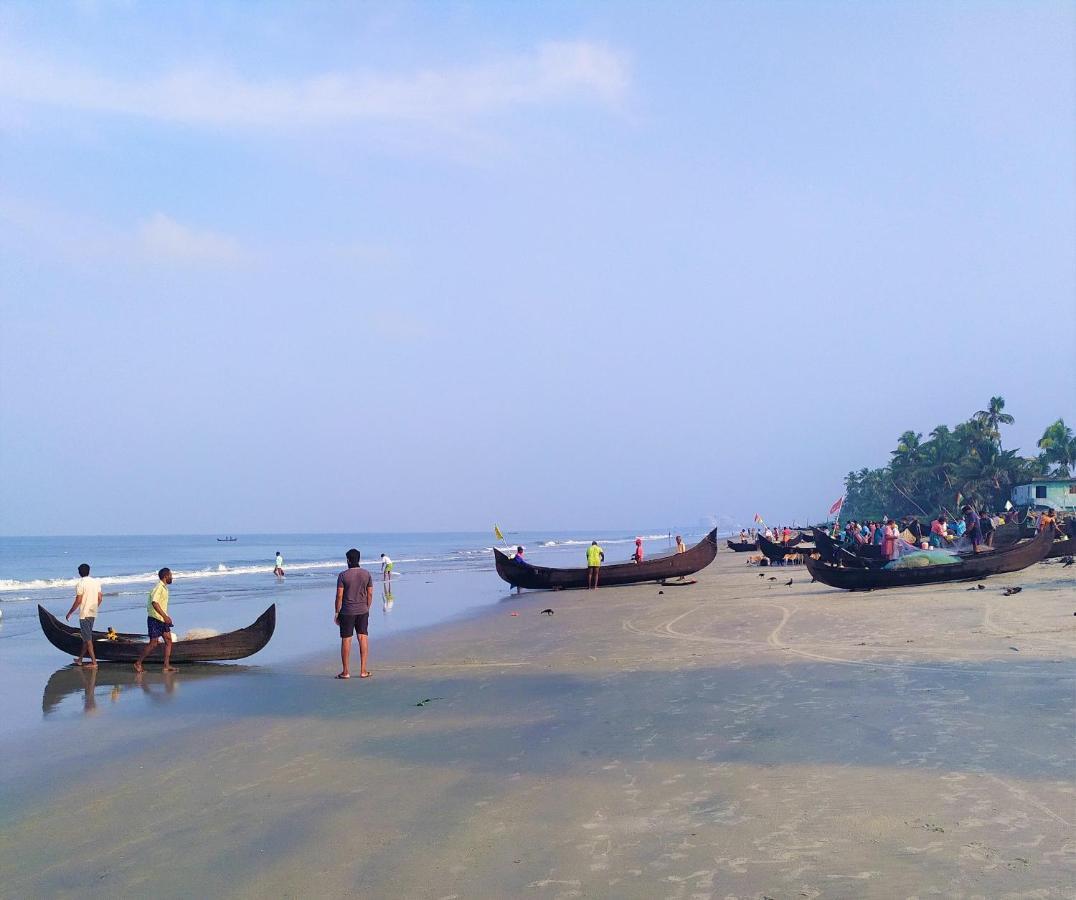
(915, 559)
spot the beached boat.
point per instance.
(862, 556)
(742, 546)
(659, 568)
(232, 645)
(971, 567)
(774, 551)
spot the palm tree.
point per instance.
(992, 417)
(1058, 445)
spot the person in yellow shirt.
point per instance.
(595, 558)
(158, 622)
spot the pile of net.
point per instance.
(920, 558)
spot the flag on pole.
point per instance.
(758, 519)
(835, 509)
(497, 531)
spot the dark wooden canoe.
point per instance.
(973, 567)
(233, 645)
(774, 551)
(862, 556)
(656, 569)
(742, 546)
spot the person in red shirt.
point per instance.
(637, 556)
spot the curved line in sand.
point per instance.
(773, 640)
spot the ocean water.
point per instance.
(227, 585)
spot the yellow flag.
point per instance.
(497, 531)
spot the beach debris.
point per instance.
(513, 614)
(661, 592)
(1015, 649)
(1012, 590)
(978, 587)
(1066, 561)
(813, 580)
(546, 612)
(428, 700)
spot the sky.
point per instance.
(279, 267)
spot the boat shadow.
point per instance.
(153, 685)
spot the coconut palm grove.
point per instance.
(967, 461)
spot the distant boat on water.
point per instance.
(228, 540)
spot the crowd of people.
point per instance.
(974, 527)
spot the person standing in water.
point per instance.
(386, 567)
(595, 558)
(87, 599)
(158, 622)
(278, 565)
(354, 596)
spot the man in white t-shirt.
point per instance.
(87, 600)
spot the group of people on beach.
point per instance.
(354, 597)
(976, 527)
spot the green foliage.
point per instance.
(924, 477)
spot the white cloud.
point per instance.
(165, 239)
(557, 72)
(158, 240)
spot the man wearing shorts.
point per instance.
(595, 558)
(158, 622)
(354, 596)
(386, 567)
(87, 599)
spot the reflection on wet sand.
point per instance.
(155, 687)
(386, 597)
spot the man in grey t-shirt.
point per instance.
(354, 595)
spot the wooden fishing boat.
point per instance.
(656, 569)
(233, 645)
(742, 546)
(972, 567)
(775, 552)
(862, 556)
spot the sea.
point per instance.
(223, 585)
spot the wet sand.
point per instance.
(734, 738)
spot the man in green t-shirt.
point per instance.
(595, 558)
(158, 622)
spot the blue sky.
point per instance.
(283, 267)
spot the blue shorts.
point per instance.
(85, 626)
(156, 628)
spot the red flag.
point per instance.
(835, 509)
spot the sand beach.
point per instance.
(734, 738)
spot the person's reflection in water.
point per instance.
(169, 679)
(89, 685)
(386, 597)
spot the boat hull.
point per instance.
(742, 546)
(675, 566)
(233, 645)
(982, 565)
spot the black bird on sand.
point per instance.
(788, 583)
(1013, 590)
(1066, 561)
(773, 578)
(546, 612)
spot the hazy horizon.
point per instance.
(427, 268)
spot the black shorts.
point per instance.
(350, 624)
